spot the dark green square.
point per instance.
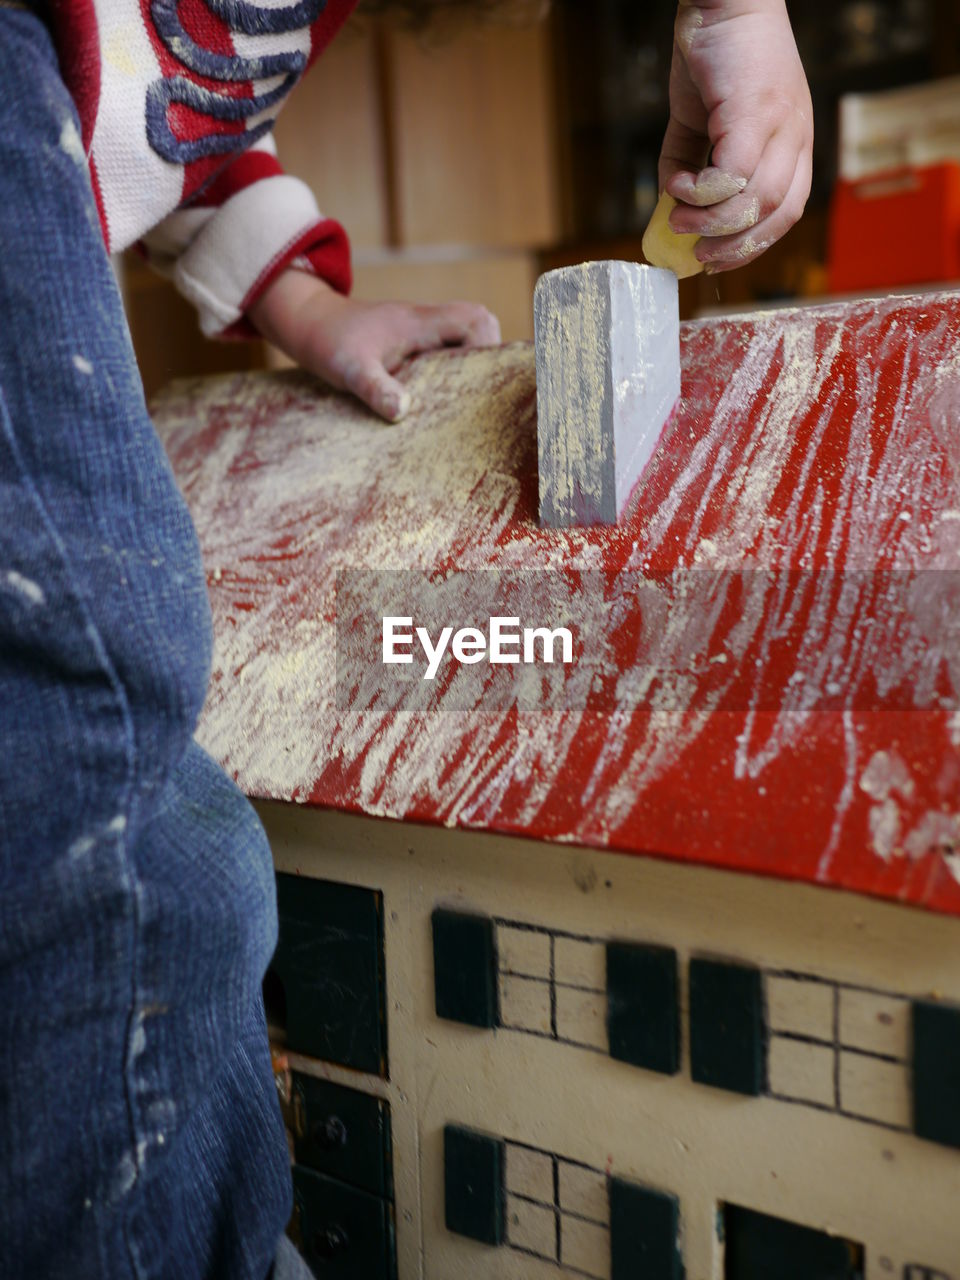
(643, 1026)
(936, 1072)
(761, 1247)
(345, 1233)
(342, 1132)
(727, 1041)
(329, 966)
(473, 1165)
(644, 1229)
(464, 968)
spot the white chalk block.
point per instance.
(608, 375)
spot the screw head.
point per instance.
(330, 1241)
(330, 1133)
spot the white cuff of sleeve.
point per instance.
(236, 247)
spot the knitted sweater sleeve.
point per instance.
(246, 226)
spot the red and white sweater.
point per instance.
(177, 100)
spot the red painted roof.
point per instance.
(772, 631)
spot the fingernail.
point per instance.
(398, 406)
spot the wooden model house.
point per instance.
(645, 966)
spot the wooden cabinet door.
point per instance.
(330, 133)
(473, 137)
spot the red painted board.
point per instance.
(772, 630)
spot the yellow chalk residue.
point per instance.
(579, 354)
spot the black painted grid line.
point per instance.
(838, 1111)
(813, 978)
(556, 1193)
(553, 987)
(839, 1046)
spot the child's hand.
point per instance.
(357, 346)
(738, 95)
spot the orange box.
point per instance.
(896, 228)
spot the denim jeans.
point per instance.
(140, 1131)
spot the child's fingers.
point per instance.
(385, 336)
(387, 397)
(740, 213)
(710, 186)
(743, 129)
(370, 382)
(467, 324)
(726, 252)
(456, 324)
(684, 150)
(761, 196)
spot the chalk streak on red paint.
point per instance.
(808, 439)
